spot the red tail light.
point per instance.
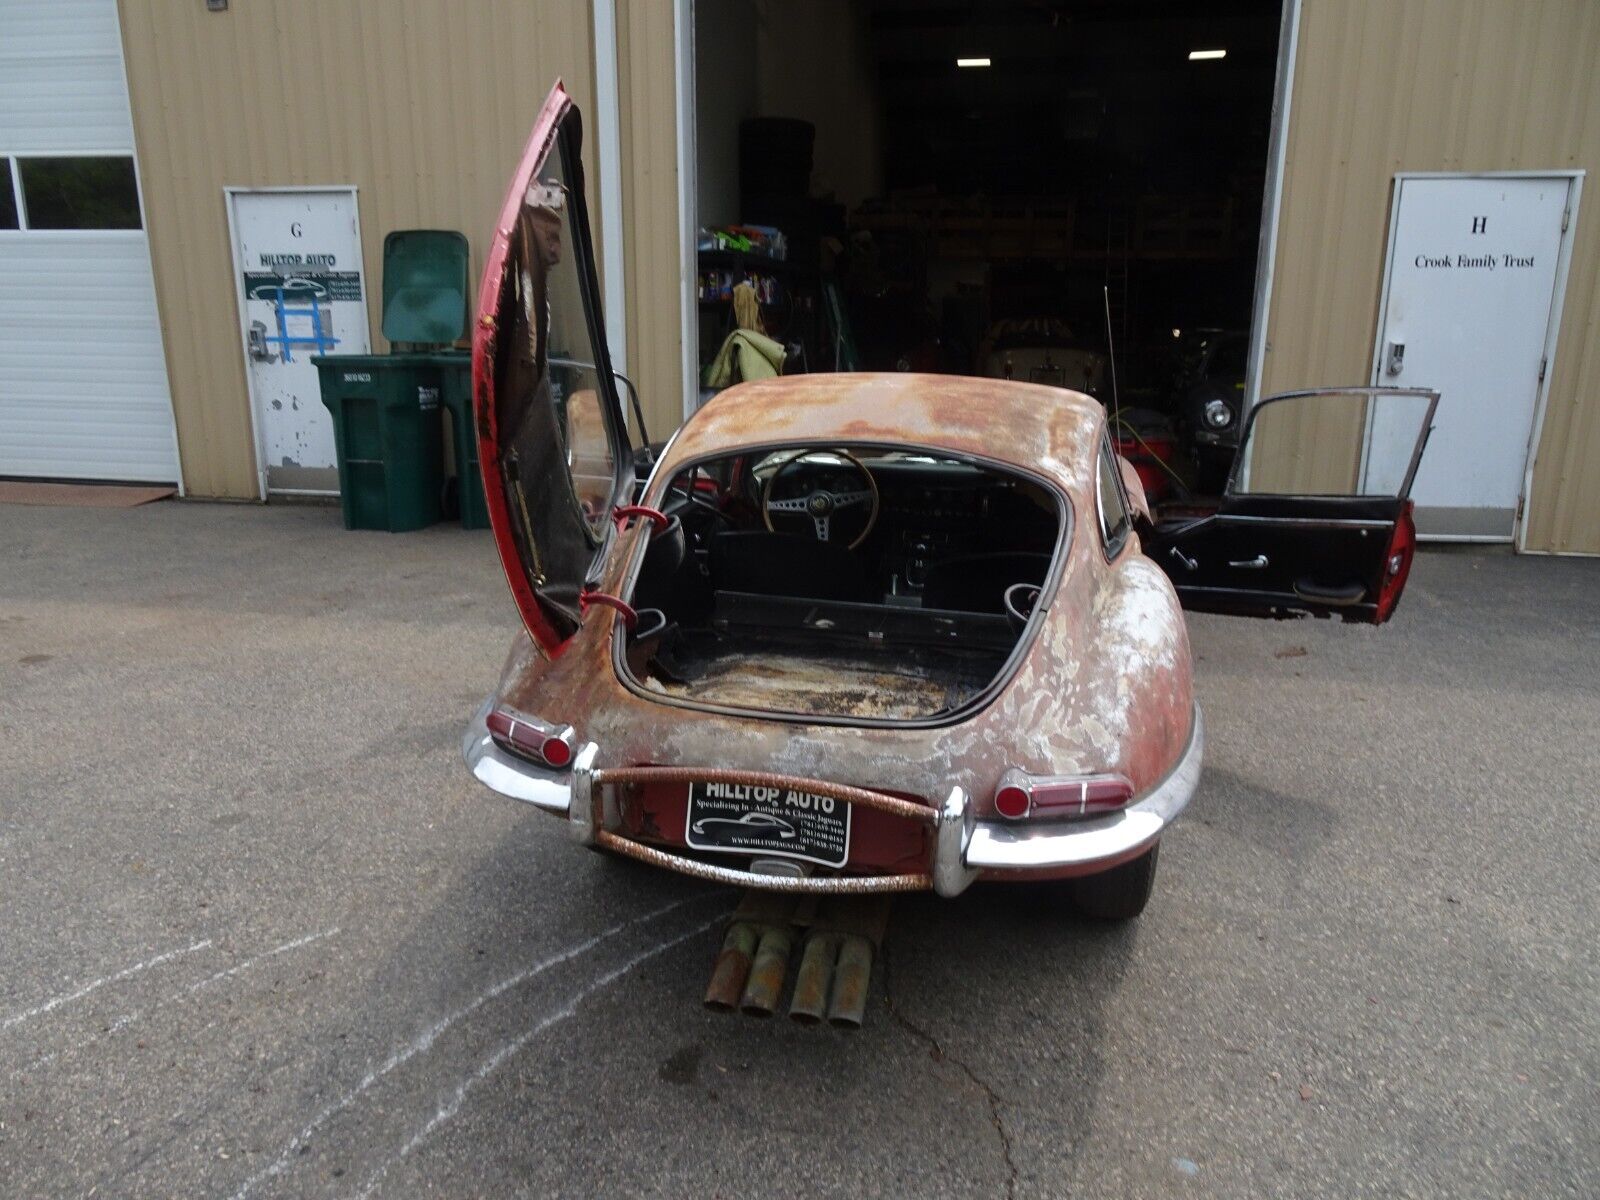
(1396, 564)
(556, 751)
(1022, 795)
(1012, 802)
(531, 737)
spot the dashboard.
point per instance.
(930, 510)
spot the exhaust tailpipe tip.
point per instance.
(851, 980)
(732, 968)
(809, 1002)
(767, 972)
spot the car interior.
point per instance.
(852, 583)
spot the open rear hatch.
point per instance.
(552, 439)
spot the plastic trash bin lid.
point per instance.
(424, 286)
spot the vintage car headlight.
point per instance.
(1218, 415)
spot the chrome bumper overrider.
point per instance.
(965, 848)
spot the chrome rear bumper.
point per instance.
(965, 848)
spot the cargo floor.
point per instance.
(823, 680)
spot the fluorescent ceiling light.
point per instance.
(972, 62)
(1198, 55)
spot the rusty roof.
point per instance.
(1024, 424)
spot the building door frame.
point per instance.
(1574, 178)
(1271, 203)
(688, 231)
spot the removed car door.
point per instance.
(1316, 516)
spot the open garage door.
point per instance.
(1067, 192)
(83, 380)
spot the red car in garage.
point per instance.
(872, 633)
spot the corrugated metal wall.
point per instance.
(1440, 85)
(423, 105)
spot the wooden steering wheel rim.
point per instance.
(872, 484)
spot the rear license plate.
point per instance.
(742, 818)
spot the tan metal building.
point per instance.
(422, 106)
(1381, 89)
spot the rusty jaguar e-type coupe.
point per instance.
(874, 633)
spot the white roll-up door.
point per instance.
(83, 382)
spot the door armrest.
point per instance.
(1338, 595)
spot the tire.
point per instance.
(1119, 894)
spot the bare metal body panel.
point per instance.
(1104, 685)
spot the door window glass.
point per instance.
(1350, 442)
(79, 193)
(1114, 520)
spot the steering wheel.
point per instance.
(680, 505)
(1019, 601)
(820, 504)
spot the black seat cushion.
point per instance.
(787, 564)
(978, 582)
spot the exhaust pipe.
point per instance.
(840, 940)
(811, 984)
(732, 967)
(766, 973)
(851, 979)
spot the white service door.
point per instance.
(302, 292)
(1471, 285)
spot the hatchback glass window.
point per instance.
(587, 442)
(575, 391)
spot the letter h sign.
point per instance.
(1480, 224)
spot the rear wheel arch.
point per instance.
(1137, 674)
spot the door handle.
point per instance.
(257, 342)
(1190, 563)
(1251, 564)
(1397, 358)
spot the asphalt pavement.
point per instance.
(261, 935)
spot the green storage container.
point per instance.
(387, 431)
(455, 393)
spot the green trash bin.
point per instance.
(424, 287)
(455, 393)
(386, 429)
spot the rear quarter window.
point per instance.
(1115, 522)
